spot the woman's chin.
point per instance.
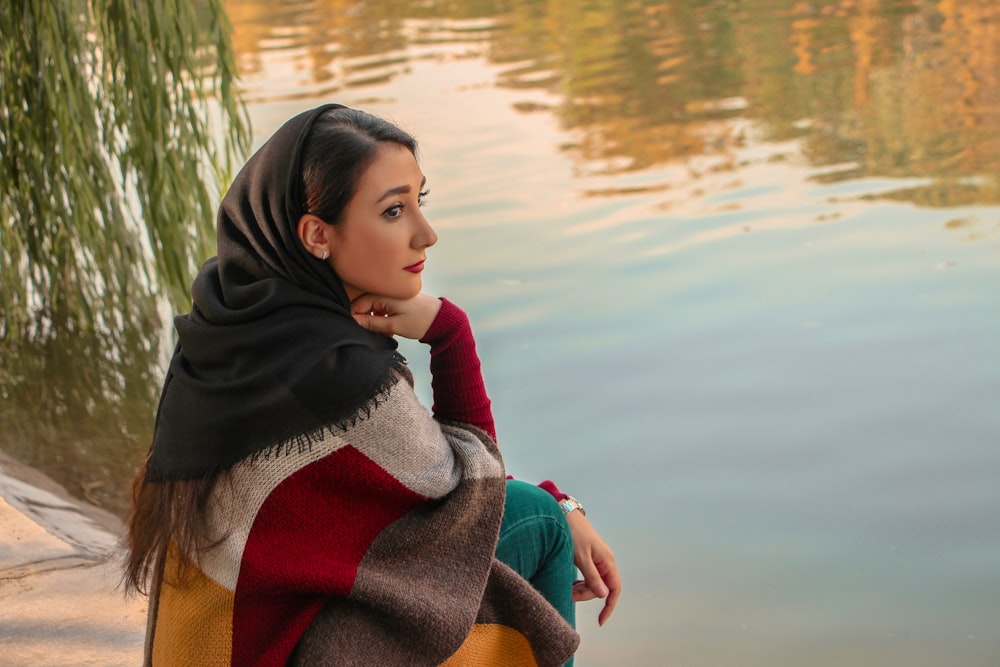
(403, 294)
(398, 292)
(411, 290)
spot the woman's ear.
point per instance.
(313, 234)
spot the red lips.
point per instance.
(415, 268)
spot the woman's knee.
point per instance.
(532, 514)
(526, 500)
(536, 542)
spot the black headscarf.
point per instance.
(270, 351)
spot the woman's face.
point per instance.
(379, 245)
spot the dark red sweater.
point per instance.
(457, 376)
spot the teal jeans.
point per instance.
(535, 541)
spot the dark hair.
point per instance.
(161, 513)
(340, 146)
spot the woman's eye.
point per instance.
(393, 211)
(422, 196)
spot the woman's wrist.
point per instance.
(429, 308)
(409, 318)
(448, 319)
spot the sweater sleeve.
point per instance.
(456, 374)
(553, 490)
(457, 377)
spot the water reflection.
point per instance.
(895, 88)
(759, 236)
(906, 89)
(76, 401)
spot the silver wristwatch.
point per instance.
(569, 503)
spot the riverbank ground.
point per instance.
(59, 601)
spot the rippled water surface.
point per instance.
(734, 269)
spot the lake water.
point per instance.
(734, 270)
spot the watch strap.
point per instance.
(570, 504)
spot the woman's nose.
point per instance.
(425, 236)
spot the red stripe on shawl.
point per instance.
(305, 546)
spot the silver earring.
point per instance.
(326, 254)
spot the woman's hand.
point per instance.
(409, 318)
(595, 560)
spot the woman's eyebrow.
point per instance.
(400, 190)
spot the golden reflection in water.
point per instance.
(881, 88)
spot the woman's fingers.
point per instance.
(582, 592)
(377, 321)
(374, 314)
(410, 318)
(591, 577)
(605, 582)
(596, 563)
(611, 577)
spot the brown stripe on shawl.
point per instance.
(451, 581)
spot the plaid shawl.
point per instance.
(371, 544)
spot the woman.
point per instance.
(298, 505)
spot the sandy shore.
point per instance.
(58, 599)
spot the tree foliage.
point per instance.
(118, 121)
(119, 126)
